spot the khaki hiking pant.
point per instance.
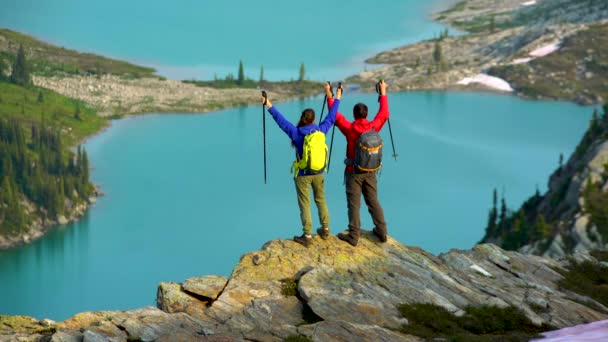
(303, 185)
(366, 184)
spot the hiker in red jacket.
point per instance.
(360, 182)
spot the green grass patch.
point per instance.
(49, 60)
(588, 279)
(483, 323)
(73, 117)
(289, 287)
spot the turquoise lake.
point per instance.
(186, 39)
(184, 193)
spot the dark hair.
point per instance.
(360, 111)
(307, 118)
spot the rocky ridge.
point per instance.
(116, 95)
(567, 206)
(517, 30)
(331, 292)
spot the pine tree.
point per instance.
(502, 218)
(241, 76)
(302, 73)
(492, 216)
(541, 228)
(261, 74)
(21, 74)
(438, 55)
(40, 97)
(2, 68)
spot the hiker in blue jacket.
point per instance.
(305, 180)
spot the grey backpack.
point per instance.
(368, 152)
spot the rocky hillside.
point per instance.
(334, 292)
(543, 49)
(573, 215)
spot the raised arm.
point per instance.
(333, 109)
(283, 123)
(383, 112)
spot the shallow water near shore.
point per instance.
(184, 194)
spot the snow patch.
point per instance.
(529, 3)
(521, 60)
(487, 80)
(540, 52)
(596, 331)
(545, 50)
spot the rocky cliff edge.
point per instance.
(331, 292)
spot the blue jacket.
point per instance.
(297, 134)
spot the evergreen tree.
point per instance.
(302, 73)
(21, 73)
(2, 68)
(241, 76)
(502, 218)
(561, 164)
(438, 56)
(541, 229)
(492, 24)
(40, 97)
(492, 216)
(261, 73)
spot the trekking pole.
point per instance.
(390, 130)
(333, 130)
(264, 129)
(324, 102)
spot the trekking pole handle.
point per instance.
(331, 90)
(265, 96)
(378, 88)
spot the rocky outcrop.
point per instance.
(573, 210)
(334, 292)
(39, 225)
(501, 36)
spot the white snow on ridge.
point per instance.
(487, 80)
(529, 3)
(545, 50)
(537, 53)
(596, 331)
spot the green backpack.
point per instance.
(314, 154)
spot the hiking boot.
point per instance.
(323, 233)
(304, 240)
(347, 238)
(380, 236)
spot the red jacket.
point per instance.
(352, 130)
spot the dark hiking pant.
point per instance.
(366, 184)
(303, 185)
